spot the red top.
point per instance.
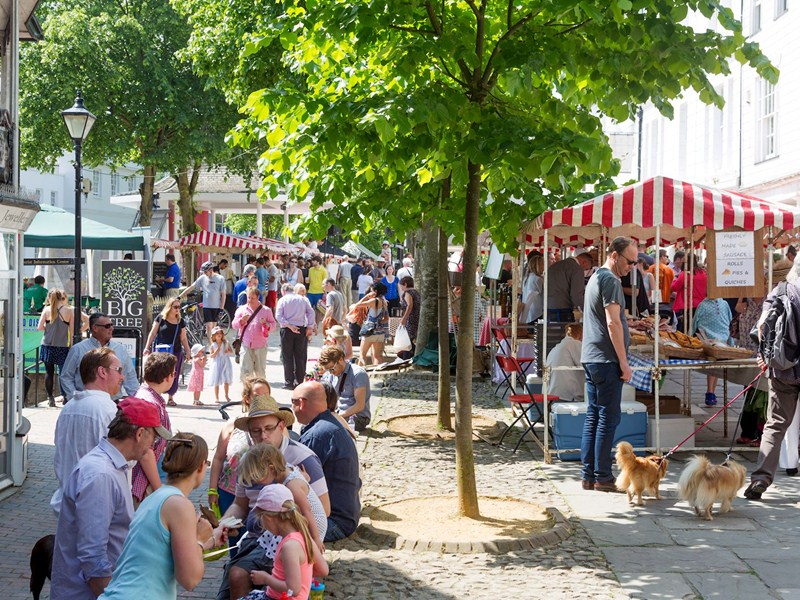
(699, 292)
(305, 570)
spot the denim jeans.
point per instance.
(604, 395)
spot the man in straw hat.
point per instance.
(266, 423)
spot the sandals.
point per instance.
(171, 402)
(198, 403)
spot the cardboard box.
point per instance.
(667, 405)
(673, 429)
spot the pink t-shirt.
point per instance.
(305, 570)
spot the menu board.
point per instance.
(735, 264)
(735, 258)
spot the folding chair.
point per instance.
(525, 361)
(525, 402)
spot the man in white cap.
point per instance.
(213, 287)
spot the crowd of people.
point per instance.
(280, 496)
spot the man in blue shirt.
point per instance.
(330, 441)
(172, 278)
(97, 506)
(239, 297)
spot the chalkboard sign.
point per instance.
(159, 272)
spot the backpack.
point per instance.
(777, 342)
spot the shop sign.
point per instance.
(735, 259)
(124, 293)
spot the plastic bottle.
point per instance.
(317, 591)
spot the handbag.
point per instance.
(368, 328)
(237, 343)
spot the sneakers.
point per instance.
(791, 472)
(711, 399)
(755, 489)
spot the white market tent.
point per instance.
(655, 211)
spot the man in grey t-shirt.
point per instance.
(604, 355)
(212, 285)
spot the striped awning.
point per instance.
(210, 240)
(677, 206)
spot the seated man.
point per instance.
(329, 440)
(265, 423)
(567, 385)
(351, 382)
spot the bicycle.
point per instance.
(195, 327)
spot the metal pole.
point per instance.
(78, 248)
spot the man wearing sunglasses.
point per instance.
(102, 330)
(604, 355)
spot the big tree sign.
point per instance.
(124, 297)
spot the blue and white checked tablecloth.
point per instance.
(642, 378)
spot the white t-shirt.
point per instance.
(405, 272)
(333, 270)
(567, 385)
(364, 281)
(272, 286)
(213, 288)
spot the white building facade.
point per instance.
(752, 144)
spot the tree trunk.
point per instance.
(465, 458)
(146, 193)
(186, 188)
(443, 420)
(426, 279)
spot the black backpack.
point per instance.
(777, 342)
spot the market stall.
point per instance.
(664, 211)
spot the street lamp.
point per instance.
(78, 121)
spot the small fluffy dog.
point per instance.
(702, 484)
(639, 475)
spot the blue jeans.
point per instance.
(334, 532)
(604, 395)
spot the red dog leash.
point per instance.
(715, 415)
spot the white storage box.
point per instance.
(674, 428)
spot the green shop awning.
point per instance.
(55, 228)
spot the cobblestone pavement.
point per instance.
(394, 467)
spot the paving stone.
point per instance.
(725, 539)
(728, 521)
(619, 531)
(672, 560)
(788, 593)
(729, 586)
(776, 572)
(660, 586)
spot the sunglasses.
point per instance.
(117, 369)
(629, 261)
(105, 326)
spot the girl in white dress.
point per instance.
(221, 368)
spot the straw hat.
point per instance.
(263, 406)
(337, 331)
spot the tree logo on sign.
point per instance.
(122, 287)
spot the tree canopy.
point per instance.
(152, 110)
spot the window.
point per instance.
(38, 193)
(53, 198)
(131, 183)
(766, 121)
(756, 26)
(781, 6)
(114, 184)
(95, 183)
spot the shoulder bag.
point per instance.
(237, 343)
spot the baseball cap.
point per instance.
(142, 413)
(272, 498)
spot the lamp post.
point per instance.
(78, 121)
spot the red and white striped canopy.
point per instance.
(675, 205)
(209, 240)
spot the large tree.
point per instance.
(152, 110)
(501, 98)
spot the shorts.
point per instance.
(376, 338)
(314, 299)
(210, 315)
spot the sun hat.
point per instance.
(337, 331)
(385, 243)
(197, 348)
(142, 413)
(263, 406)
(272, 498)
(216, 330)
